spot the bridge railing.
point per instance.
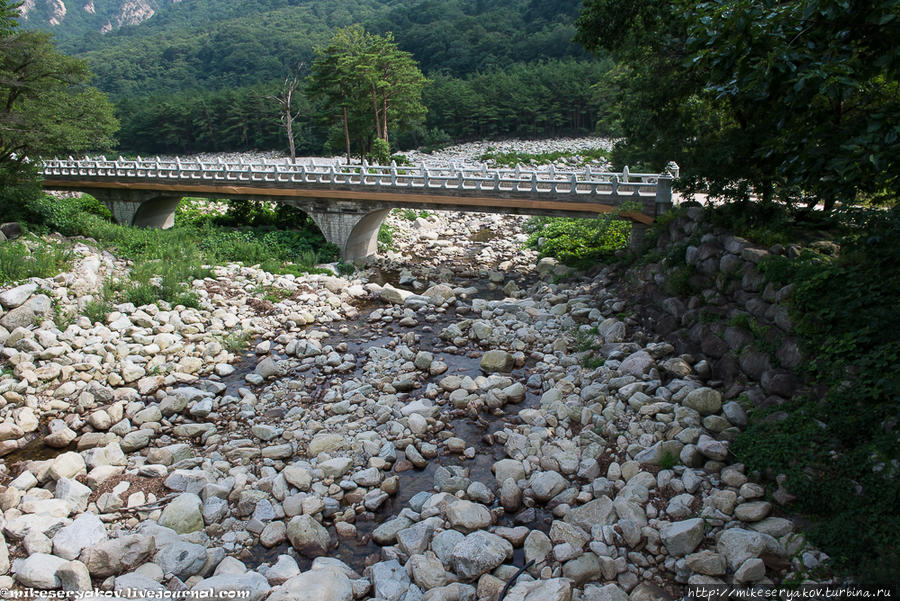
(581, 182)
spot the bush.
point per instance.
(578, 242)
(381, 152)
(840, 449)
(385, 237)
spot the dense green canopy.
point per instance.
(793, 99)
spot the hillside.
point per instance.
(73, 18)
(213, 44)
(194, 75)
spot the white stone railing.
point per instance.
(418, 178)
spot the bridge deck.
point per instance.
(348, 202)
(531, 191)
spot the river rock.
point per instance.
(738, 545)
(115, 556)
(84, 531)
(546, 485)
(253, 583)
(599, 511)
(467, 516)
(390, 580)
(681, 538)
(478, 553)
(183, 514)
(497, 361)
(704, 401)
(308, 536)
(14, 297)
(38, 570)
(181, 558)
(554, 589)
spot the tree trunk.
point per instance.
(375, 111)
(347, 134)
(289, 126)
(384, 117)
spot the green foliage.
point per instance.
(345, 268)
(44, 107)
(30, 257)
(543, 98)
(195, 77)
(840, 450)
(576, 242)
(678, 280)
(668, 460)
(165, 261)
(370, 86)
(413, 214)
(236, 341)
(98, 308)
(385, 237)
(513, 158)
(380, 153)
(795, 100)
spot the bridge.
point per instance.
(349, 202)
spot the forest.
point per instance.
(196, 76)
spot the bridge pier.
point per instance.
(653, 207)
(355, 232)
(139, 208)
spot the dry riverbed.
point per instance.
(425, 428)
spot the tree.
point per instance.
(45, 108)
(285, 103)
(368, 84)
(794, 100)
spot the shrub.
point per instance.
(385, 237)
(381, 152)
(578, 242)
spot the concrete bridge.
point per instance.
(349, 202)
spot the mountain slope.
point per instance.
(72, 18)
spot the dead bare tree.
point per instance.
(284, 99)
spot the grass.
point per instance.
(511, 159)
(386, 237)
(236, 341)
(32, 257)
(165, 262)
